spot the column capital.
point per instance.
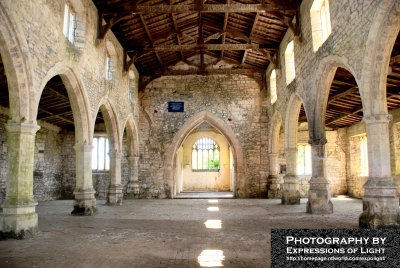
(133, 158)
(22, 128)
(290, 150)
(83, 147)
(316, 142)
(377, 118)
(115, 154)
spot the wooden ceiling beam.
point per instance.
(151, 40)
(206, 47)
(340, 117)
(342, 94)
(226, 17)
(250, 35)
(56, 115)
(198, 7)
(205, 72)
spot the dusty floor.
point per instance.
(166, 233)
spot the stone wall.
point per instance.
(235, 99)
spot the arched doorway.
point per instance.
(173, 165)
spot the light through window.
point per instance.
(289, 62)
(205, 155)
(69, 23)
(272, 84)
(100, 158)
(108, 68)
(364, 156)
(304, 159)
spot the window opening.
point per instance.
(289, 62)
(304, 159)
(364, 156)
(205, 155)
(100, 157)
(108, 68)
(272, 82)
(69, 23)
(320, 22)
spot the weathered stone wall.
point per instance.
(235, 99)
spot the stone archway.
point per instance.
(170, 161)
(115, 194)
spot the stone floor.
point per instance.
(167, 233)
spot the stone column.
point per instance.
(273, 185)
(319, 194)
(133, 186)
(85, 202)
(380, 202)
(290, 187)
(115, 195)
(19, 219)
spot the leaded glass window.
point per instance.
(205, 155)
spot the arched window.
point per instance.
(272, 85)
(320, 22)
(304, 159)
(205, 155)
(69, 22)
(289, 63)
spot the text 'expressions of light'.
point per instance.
(213, 224)
(211, 258)
(213, 209)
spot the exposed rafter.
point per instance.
(206, 47)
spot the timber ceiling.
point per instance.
(157, 34)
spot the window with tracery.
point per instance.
(69, 23)
(100, 157)
(205, 155)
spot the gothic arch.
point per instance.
(17, 62)
(276, 123)
(132, 135)
(112, 125)
(380, 44)
(181, 135)
(322, 85)
(77, 98)
(291, 121)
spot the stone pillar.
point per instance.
(380, 202)
(19, 219)
(319, 194)
(133, 186)
(85, 202)
(290, 187)
(273, 185)
(115, 195)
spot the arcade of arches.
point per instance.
(314, 115)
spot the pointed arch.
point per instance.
(77, 97)
(275, 127)
(205, 116)
(132, 135)
(324, 77)
(291, 121)
(385, 26)
(17, 63)
(112, 125)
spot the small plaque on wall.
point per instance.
(176, 106)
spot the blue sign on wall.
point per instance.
(176, 106)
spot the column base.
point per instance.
(19, 220)
(84, 203)
(273, 187)
(290, 197)
(380, 205)
(115, 196)
(319, 197)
